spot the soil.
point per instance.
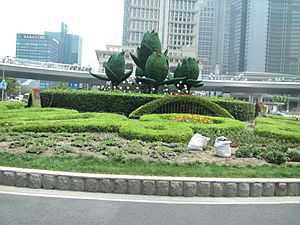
(108, 146)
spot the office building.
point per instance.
(210, 44)
(70, 48)
(262, 35)
(59, 47)
(37, 47)
(174, 20)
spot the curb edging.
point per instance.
(149, 185)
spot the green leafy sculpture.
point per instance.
(186, 74)
(152, 65)
(114, 70)
(150, 43)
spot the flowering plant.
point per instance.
(191, 118)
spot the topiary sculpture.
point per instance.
(156, 71)
(150, 43)
(114, 70)
(186, 74)
(152, 66)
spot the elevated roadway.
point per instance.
(230, 86)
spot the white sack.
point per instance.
(198, 142)
(222, 147)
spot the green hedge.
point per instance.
(278, 127)
(182, 104)
(95, 101)
(125, 103)
(240, 110)
(220, 125)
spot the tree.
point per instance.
(12, 85)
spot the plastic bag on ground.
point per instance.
(222, 147)
(198, 142)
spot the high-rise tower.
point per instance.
(174, 20)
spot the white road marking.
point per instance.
(169, 200)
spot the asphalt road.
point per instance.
(41, 207)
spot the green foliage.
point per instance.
(153, 66)
(60, 86)
(240, 110)
(188, 104)
(278, 127)
(280, 98)
(273, 153)
(220, 125)
(150, 43)
(125, 103)
(95, 101)
(12, 85)
(114, 70)
(11, 105)
(156, 131)
(187, 74)
(294, 156)
(157, 67)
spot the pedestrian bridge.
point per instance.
(65, 74)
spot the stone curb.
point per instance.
(149, 185)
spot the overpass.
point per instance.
(62, 74)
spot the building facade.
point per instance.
(175, 57)
(37, 47)
(262, 35)
(174, 20)
(58, 47)
(210, 44)
(70, 48)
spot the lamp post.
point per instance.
(3, 90)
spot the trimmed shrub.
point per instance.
(281, 128)
(240, 110)
(182, 104)
(220, 125)
(156, 131)
(125, 103)
(95, 101)
(11, 105)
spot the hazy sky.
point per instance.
(98, 22)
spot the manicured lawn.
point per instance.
(140, 167)
(61, 139)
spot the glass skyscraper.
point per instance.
(262, 36)
(211, 14)
(70, 48)
(59, 47)
(37, 47)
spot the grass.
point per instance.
(61, 139)
(141, 167)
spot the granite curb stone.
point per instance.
(134, 187)
(35, 181)
(243, 189)
(9, 178)
(21, 179)
(293, 189)
(49, 181)
(77, 184)
(176, 188)
(149, 185)
(189, 189)
(92, 185)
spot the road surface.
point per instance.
(20, 206)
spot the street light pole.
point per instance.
(2, 98)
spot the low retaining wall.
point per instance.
(149, 185)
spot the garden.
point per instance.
(146, 131)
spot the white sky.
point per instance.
(98, 22)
